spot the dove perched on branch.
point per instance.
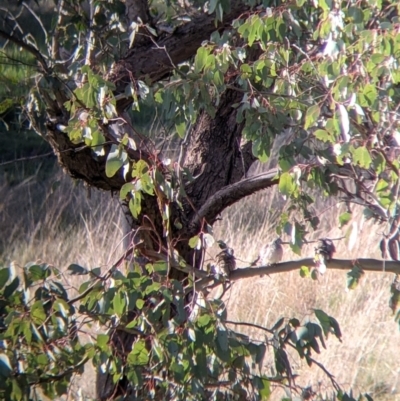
(226, 262)
(272, 253)
(323, 253)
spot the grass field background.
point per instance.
(59, 221)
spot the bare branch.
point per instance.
(370, 265)
(23, 159)
(27, 47)
(38, 19)
(231, 194)
(253, 325)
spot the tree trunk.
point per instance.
(215, 154)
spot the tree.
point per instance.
(312, 84)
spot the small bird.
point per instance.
(272, 253)
(323, 253)
(226, 262)
(326, 248)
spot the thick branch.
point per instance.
(154, 60)
(370, 265)
(231, 194)
(213, 154)
(79, 162)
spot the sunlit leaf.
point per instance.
(287, 184)
(304, 271)
(312, 115)
(344, 218)
(139, 354)
(201, 58)
(195, 241)
(362, 157)
(115, 160)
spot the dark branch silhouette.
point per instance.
(231, 194)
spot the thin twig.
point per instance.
(28, 48)
(22, 159)
(37, 19)
(256, 326)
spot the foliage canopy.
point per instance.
(313, 85)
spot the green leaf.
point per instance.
(115, 160)
(119, 303)
(139, 168)
(145, 183)
(203, 320)
(36, 333)
(4, 275)
(287, 184)
(11, 288)
(201, 59)
(125, 190)
(62, 306)
(75, 269)
(39, 272)
(265, 389)
(354, 277)
(27, 331)
(181, 129)
(324, 136)
(139, 303)
(356, 14)
(344, 218)
(218, 78)
(87, 94)
(304, 271)
(312, 115)
(5, 105)
(139, 354)
(102, 341)
(324, 319)
(5, 366)
(16, 390)
(135, 204)
(336, 329)
(195, 242)
(160, 267)
(38, 314)
(362, 157)
(97, 143)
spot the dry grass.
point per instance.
(66, 226)
(60, 222)
(368, 358)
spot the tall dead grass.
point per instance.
(367, 359)
(58, 222)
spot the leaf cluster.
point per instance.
(174, 350)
